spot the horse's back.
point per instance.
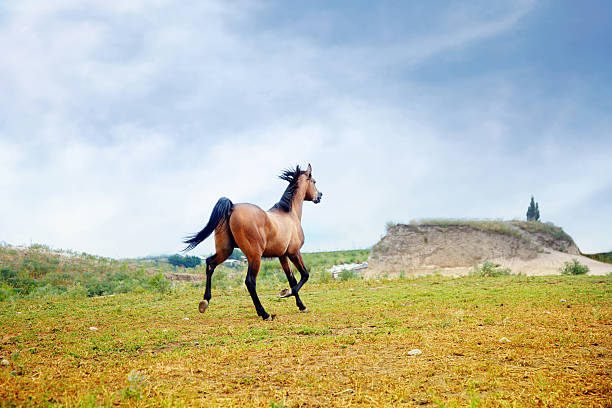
(248, 225)
(248, 218)
(260, 232)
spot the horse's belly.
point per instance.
(275, 248)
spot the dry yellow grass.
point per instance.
(351, 350)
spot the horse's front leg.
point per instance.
(299, 264)
(284, 261)
(250, 283)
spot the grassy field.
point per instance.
(155, 349)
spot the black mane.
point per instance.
(292, 177)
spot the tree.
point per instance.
(186, 261)
(533, 211)
(237, 254)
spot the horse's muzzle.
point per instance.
(318, 199)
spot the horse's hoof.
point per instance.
(305, 310)
(270, 317)
(203, 306)
(285, 293)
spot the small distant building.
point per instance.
(336, 269)
(232, 263)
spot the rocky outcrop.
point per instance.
(453, 248)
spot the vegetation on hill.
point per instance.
(184, 261)
(39, 271)
(601, 257)
(515, 227)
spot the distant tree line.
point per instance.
(186, 261)
(237, 255)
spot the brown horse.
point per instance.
(273, 233)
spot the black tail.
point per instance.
(221, 213)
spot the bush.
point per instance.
(76, 291)
(46, 291)
(6, 292)
(574, 268)
(186, 261)
(347, 275)
(18, 280)
(325, 277)
(159, 283)
(489, 269)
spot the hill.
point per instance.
(453, 247)
(40, 271)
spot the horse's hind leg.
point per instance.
(224, 248)
(284, 261)
(299, 264)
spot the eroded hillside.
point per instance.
(453, 247)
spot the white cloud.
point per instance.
(123, 124)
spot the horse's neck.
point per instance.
(298, 202)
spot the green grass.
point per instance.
(352, 349)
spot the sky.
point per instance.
(122, 123)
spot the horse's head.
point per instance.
(312, 194)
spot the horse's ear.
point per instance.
(308, 171)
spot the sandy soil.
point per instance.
(549, 264)
(544, 264)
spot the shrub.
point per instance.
(18, 280)
(159, 283)
(347, 275)
(389, 225)
(186, 261)
(76, 291)
(489, 269)
(221, 278)
(325, 277)
(136, 383)
(6, 291)
(574, 268)
(46, 291)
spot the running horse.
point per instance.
(273, 233)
